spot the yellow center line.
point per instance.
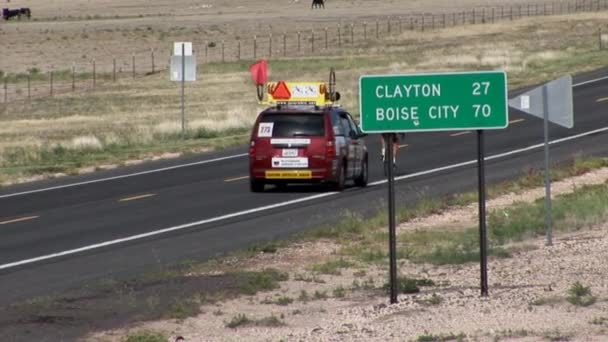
(235, 179)
(19, 219)
(516, 121)
(404, 145)
(460, 133)
(132, 198)
(602, 99)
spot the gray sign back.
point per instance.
(176, 68)
(559, 93)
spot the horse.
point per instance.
(317, 4)
(8, 13)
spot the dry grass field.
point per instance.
(140, 119)
(64, 32)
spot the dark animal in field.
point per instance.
(8, 13)
(318, 4)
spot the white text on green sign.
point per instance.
(431, 102)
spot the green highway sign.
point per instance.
(433, 102)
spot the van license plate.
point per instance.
(290, 152)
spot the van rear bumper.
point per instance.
(295, 175)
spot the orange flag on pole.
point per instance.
(259, 72)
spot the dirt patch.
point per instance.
(108, 304)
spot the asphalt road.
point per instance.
(58, 234)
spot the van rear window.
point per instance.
(296, 125)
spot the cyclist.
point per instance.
(396, 140)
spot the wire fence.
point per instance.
(318, 41)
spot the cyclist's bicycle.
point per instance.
(395, 147)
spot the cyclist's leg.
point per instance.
(395, 148)
(383, 149)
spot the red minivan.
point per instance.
(306, 144)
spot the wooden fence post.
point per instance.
(365, 31)
(284, 44)
(5, 90)
(269, 45)
(352, 34)
(152, 55)
(400, 24)
(377, 29)
(312, 40)
(133, 63)
(114, 69)
(423, 23)
(388, 25)
(600, 38)
(73, 76)
(51, 83)
(443, 21)
(29, 88)
(255, 47)
(326, 43)
(223, 57)
(238, 49)
(94, 74)
(339, 36)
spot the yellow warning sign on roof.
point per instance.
(282, 92)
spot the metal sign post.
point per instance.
(550, 102)
(183, 68)
(483, 240)
(548, 227)
(183, 86)
(392, 234)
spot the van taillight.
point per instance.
(252, 148)
(330, 149)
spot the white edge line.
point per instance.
(124, 176)
(278, 205)
(185, 165)
(161, 231)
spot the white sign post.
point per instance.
(183, 68)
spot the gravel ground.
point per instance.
(527, 301)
